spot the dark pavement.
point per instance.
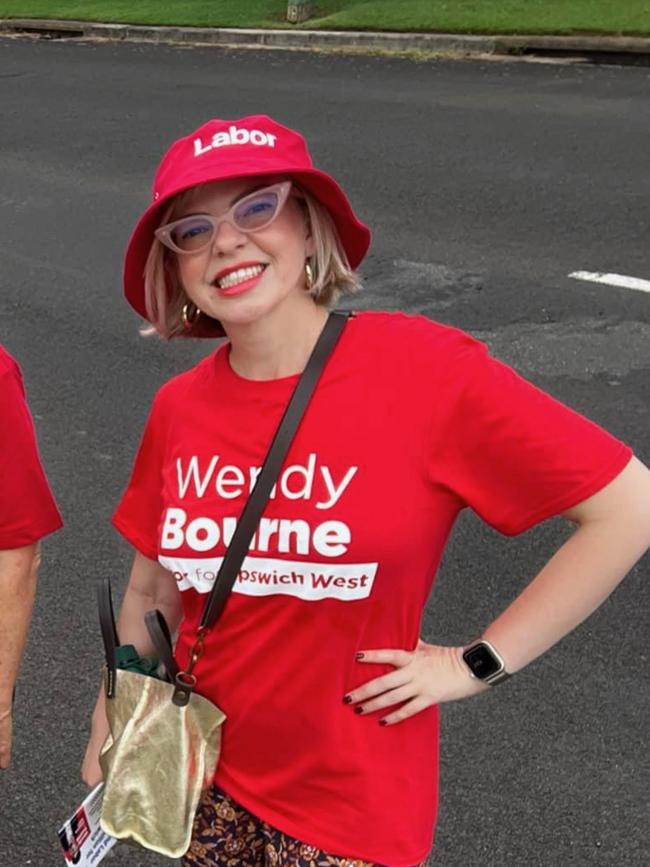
(486, 183)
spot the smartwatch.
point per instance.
(484, 663)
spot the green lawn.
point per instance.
(467, 16)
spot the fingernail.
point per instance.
(382, 722)
(358, 709)
(360, 655)
(347, 699)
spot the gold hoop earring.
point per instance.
(189, 315)
(309, 276)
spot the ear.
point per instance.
(310, 245)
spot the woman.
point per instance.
(330, 744)
(28, 513)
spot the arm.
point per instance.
(613, 533)
(18, 568)
(150, 586)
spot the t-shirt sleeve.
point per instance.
(511, 452)
(139, 512)
(27, 508)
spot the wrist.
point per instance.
(467, 684)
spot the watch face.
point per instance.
(481, 661)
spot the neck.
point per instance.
(280, 345)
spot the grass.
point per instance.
(464, 16)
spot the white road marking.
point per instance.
(613, 280)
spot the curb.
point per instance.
(311, 39)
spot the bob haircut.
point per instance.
(165, 296)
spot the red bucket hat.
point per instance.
(221, 149)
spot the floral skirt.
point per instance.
(226, 834)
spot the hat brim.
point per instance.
(353, 234)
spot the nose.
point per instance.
(227, 237)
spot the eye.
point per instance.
(192, 232)
(256, 210)
(259, 206)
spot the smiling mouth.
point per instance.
(233, 278)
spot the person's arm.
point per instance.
(613, 534)
(150, 586)
(18, 568)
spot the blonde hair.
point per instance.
(165, 296)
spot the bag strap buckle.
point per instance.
(185, 681)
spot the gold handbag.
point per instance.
(156, 762)
(164, 739)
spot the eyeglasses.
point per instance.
(252, 213)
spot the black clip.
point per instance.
(185, 683)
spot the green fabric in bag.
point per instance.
(128, 659)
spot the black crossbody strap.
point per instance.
(258, 498)
(109, 633)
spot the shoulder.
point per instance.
(406, 329)
(8, 363)
(184, 386)
(417, 342)
(11, 378)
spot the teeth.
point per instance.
(239, 276)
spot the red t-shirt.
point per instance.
(27, 508)
(411, 422)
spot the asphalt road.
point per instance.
(486, 184)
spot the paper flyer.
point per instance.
(84, 843)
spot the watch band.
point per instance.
(499, 677)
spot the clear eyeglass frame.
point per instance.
(165, 233)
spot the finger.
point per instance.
(388, 699)
(375, 687)
(412, 707)
(398, 658)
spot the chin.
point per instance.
(239, 314)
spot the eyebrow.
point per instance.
(240, 195)
(252, 189)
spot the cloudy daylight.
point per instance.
(401, 639)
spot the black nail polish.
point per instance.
(382, 722)
(359, 656)
(347, 699)
(358, 709)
